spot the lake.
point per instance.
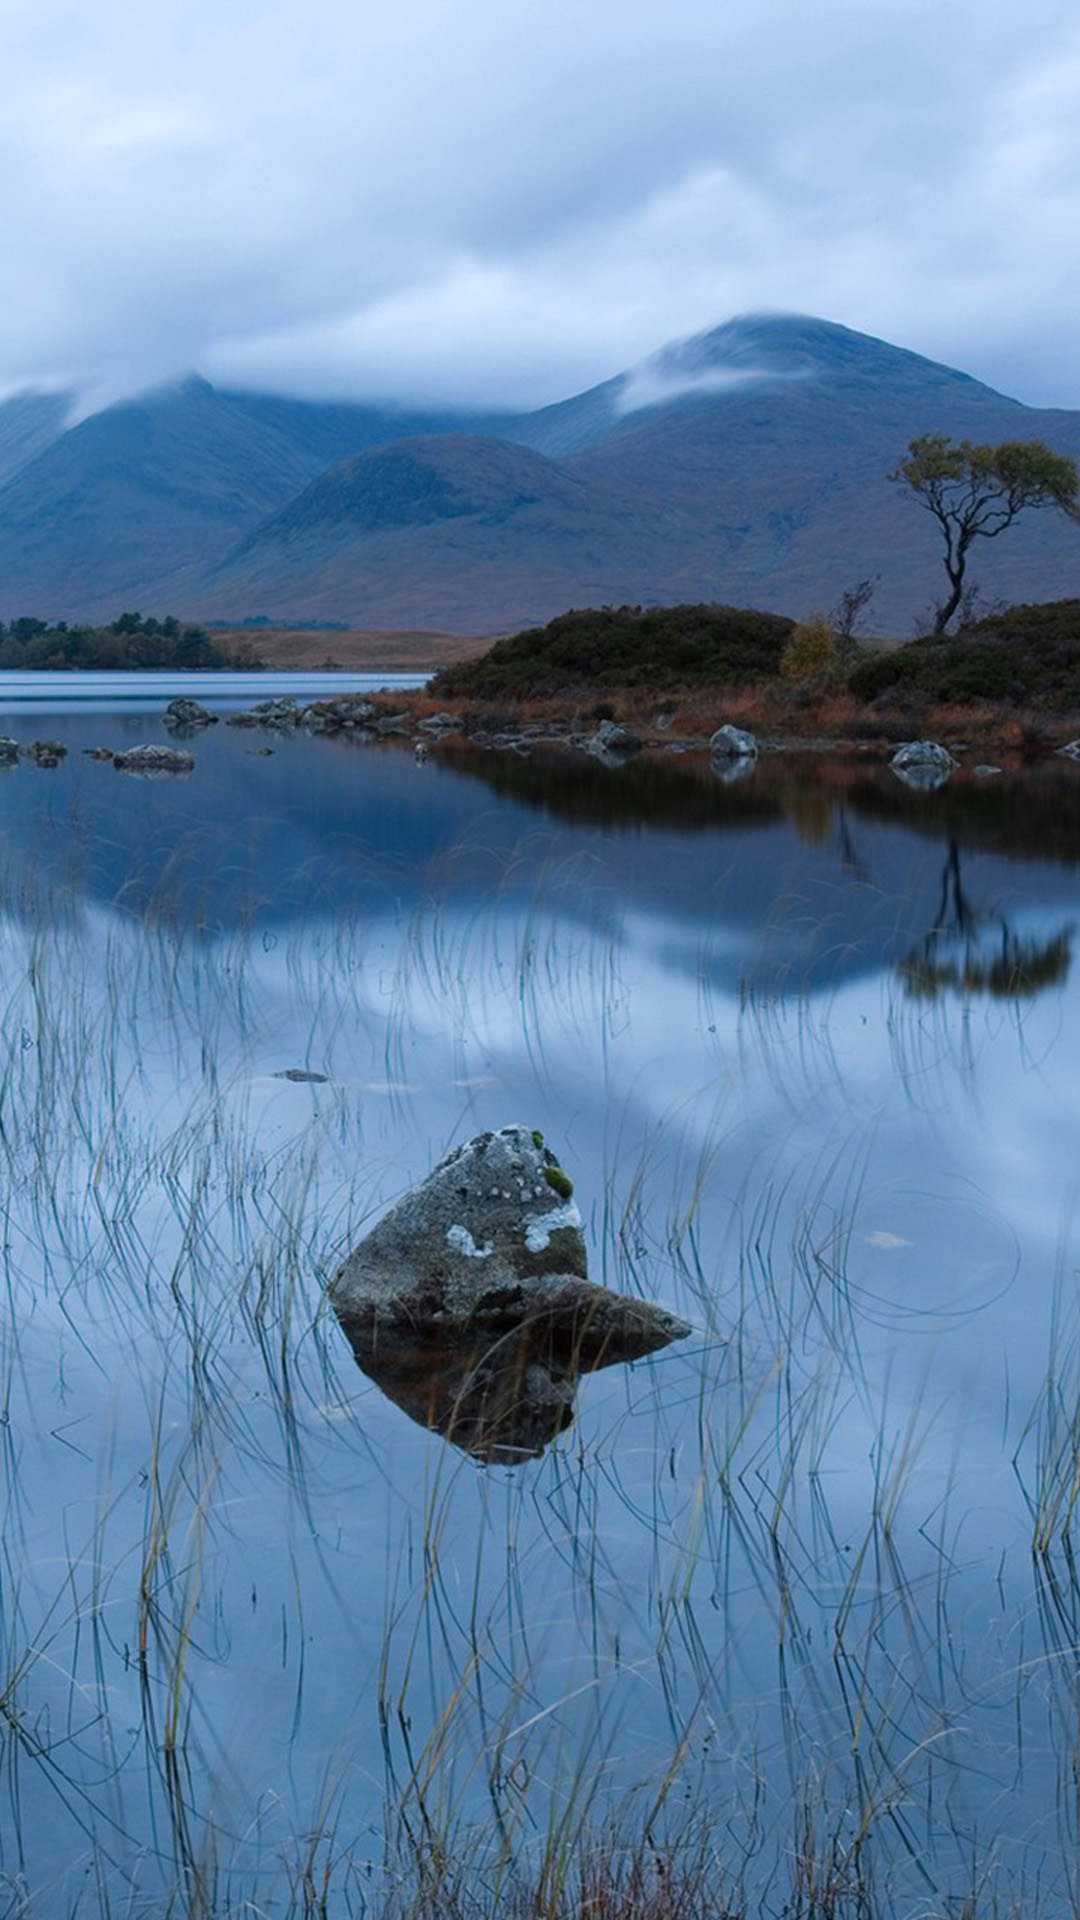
(800, 1591)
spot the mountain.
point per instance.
(29, 422)
(133, 505)
(748, 464)
(464, 522)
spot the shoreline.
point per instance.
(679, 725)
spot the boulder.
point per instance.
(188, 716)
(923, 765)
(470, 1303)
(344, 714)
(612, 743)
(9, 751)
(1071, 751)
(44, 753)
(733, 743)
(151, 762)
(280, 715)
(923, 753)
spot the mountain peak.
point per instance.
(770, 348)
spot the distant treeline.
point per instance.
(130, 643)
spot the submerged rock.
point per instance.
(9, 751)
(470, 1305)
(153, 761)
(1071, 751)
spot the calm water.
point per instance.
(809, 1047)
(150, 692)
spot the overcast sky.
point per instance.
(507, 200)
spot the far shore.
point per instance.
(361, 649)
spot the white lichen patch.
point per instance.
(539, 1229)
(462, 1242)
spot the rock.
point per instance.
(1071, 751)
(470, 1304)
(302, 1075)
(188, 716)
(281, 715)
(44, 753)
(733, 743)
(100, 753)
(923, 753)
(440, 723)
(392, 723)
(151, 762)
(612, 743)
(336, 716)
(9, 751)
(984, 771)
(923, 765)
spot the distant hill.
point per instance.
(746, 466)
(492, 533)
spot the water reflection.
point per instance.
(974, 950)
(253, 1615)
(502, 1401)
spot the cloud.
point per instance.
(505, 204)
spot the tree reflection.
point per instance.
(971, 949)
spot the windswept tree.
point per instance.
(975, 492)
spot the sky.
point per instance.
(501, 202)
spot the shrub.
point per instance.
(811, 652)
(621, 647)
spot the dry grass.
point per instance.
(788, 715)
(603, 1879)
(368, 649)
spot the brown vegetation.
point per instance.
(367, 649)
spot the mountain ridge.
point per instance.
(747, 464)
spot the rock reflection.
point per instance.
(502, 1400)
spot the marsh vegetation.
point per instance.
(786, 1622)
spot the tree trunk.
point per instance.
(948, 607)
